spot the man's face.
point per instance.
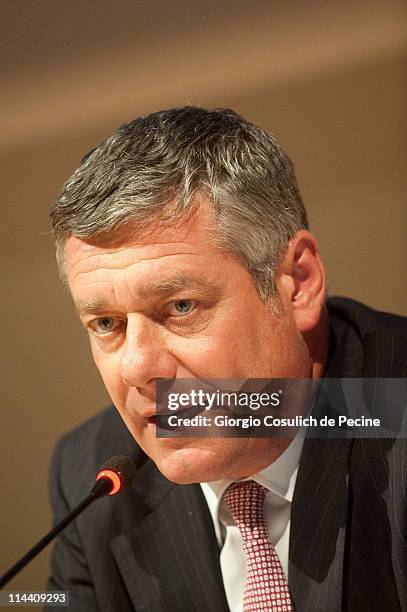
(170, 305)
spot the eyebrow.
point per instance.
(91, 306)
(176, 283)
(162, 288)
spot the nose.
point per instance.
(145, 356)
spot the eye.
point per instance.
(178, 308)
(104, 325)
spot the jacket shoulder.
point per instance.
(365, 318)
(381, 336)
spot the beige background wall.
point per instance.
(328, 78)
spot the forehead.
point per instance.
(157, 262)
(188, 237)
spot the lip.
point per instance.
(150, 415)
(187, 411)
(149, 412)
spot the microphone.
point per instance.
(115, 475)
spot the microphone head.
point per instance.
(115, 475)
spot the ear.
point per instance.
(301, 281)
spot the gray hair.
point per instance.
(151, 170)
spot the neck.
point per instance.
(318, 344)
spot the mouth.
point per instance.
(160, 419)
(152, 420)
(189, 411)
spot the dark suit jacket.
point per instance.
(153, 547)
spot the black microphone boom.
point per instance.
(114, 476)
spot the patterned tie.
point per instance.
(266, 586)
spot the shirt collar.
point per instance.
(279, 477)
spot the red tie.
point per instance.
(266, 587)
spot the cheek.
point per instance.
(233, 334)
(109, 370)
(213, 356)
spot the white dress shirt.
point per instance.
(279, 478)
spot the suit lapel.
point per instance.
(321, 498)
(318, 525)
(165, 547)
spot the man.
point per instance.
(185, 245)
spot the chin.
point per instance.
(191, 465)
